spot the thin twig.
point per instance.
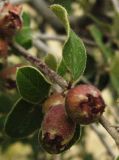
(62, 38)
(42, 46)
(51, 37)
(111, 130)
(53, 76)
(43, 9)
(104, 142)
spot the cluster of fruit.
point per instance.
(64, 114)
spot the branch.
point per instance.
(110, 129)
(62, 38)
(55, 78)
(42, 8)
(42, 46)
(104, 142)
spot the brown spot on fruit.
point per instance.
(57, 130)
(84, 104)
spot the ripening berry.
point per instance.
(57, 130)
(84, 104)
(53, 100)
(10, 20)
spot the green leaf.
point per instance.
(51, 62)
(24, 36)
(31, 84)
(114, 72)
(61, 13)
(23, 119)
(62, 69)
(26, 19)
(74, 53)
(98, 37)
(5, 103)
(65, 3)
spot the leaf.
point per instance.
(23, 119)
(51, 62)
(74, 53)
(61, 13)
(65, 3)
(5, 103)
(62, 69)
(31, 84)
(98, 37)
(26, 19)
(24, 37)
(114, 72)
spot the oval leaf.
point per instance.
(61, 13)
(65, 3)
(74, 53)
(23, 120)
(31, 84)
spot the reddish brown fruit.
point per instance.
(53, 100)
(84, 104)
(10, 20)
(57, 130)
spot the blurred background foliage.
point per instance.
(97, 24)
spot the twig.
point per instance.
(42, 8)
(62, 38)
(62, 83)
(42, 46)
(104, 142)
(53, 76)
(51, 37)
(112, 131)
